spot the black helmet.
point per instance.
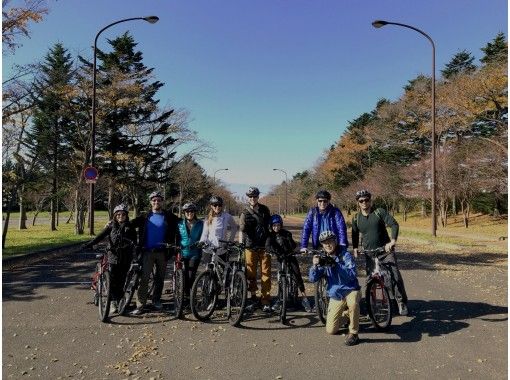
(323, 194)
(363, 194)
(215, 200)
(155, 194)
(253, 192)
(190, 206)
(326, 235)
(121, 207)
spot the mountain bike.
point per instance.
(102, 286)
(321, 294)
(177, 280)
(287, 286)
(377, 294)
(226, 274)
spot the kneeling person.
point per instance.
(343, 288)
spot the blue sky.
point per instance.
(273, 83)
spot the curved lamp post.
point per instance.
(214, 175)
(381, 23)
(286, 189)
(149, 19)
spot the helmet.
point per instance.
(326, 235)
(216, 200)
(276, 219)
(323, 194)
(363, 193)
(155, 194)
(190, 206)
(121, 207)
(253, 192)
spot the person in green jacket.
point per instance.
(190, 229)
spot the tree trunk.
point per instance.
(79, 218)
(110, 198)
(22, 210)
(70, 217)
(423, 209)
(6, 223)
(454, 205)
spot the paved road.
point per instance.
(457, 330)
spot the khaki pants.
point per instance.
(149, 259)
(253, 258)
(342, 312)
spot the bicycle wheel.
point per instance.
(178, 285)
(378, 304)
(321, 299)
(204, 296)
(104, 295)
(129, 290)
(292, 291)
(284, 288)
(236, 298)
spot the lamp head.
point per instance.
(151, 19)
(379, 23)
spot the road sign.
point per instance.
(90, 174)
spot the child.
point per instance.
(281, 243)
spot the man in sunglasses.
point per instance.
(371, 223)
(324, 217)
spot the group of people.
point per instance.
(263, 235)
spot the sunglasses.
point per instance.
(217, 205)
(322, 201)
(253, 196)
(363, 200)
(156, 200)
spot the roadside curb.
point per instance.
(17, 260)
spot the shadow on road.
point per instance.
(437, 318)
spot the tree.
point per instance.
(15, 21)
(461, 63)
(495, 51)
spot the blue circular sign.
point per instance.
(90, 173)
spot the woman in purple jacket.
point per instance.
(324, 217)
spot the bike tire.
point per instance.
(236, 300)
(204, 296)
(104, 295)
(321, 299)
(284, 300)
(130, 287)
(378, 303)
(178, 287)
(293, 291)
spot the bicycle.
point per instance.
(321, 294)
(177, 280)
(377, 294)
(287, 286)
(221, 275)
(101, 285)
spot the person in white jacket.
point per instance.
(218, 225)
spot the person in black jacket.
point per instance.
(121, 244)
(253, 231)
(155, 229)
(281, 243)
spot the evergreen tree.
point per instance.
(47, 141)
(461, 63)
(495, 51)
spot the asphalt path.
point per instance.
(457, 329)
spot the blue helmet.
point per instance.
(276, 219)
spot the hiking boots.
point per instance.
(351, 340)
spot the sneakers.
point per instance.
(266, 309)
(276, 306)
(306, 305)
(113, 307)
(351, 340)
(157, 305)
(402, 308)
(253, 303)
(137, 311)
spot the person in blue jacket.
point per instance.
(190, 230)
(343, 288)
(323, 217)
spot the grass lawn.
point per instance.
(39, 237)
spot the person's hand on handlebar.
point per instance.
(391, 245)
(355, 251)
(303, 251)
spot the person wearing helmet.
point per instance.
(254, 230)
(190, 231)
(342, 287)
(323, 217)
(372, 223)
(120, 248)
(219, 225)
(281, 243)
(156, 228)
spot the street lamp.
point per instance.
(381, 23)
(286, 189)
(214, 175)
(149, 19)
